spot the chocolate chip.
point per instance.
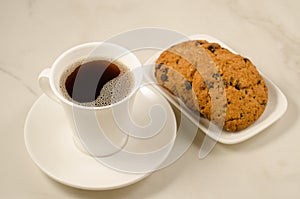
(209, 84)
(241, 115)
(198, 43)
(164, 77)
(188, 85)
(158, 66)
(246, 60)
(231, 81)
(225, 82)
(216, 75)
(258, 82)
(237, 87)
(177, 61)
(211, 48)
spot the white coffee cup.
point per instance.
(94, 129)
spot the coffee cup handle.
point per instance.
(44, 83)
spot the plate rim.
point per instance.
(258, 129)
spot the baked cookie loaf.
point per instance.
(221, 86)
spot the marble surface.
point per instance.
(34, 33)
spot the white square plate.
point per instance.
(276, 107)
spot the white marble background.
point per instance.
(33, 33)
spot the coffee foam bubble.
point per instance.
(113, 91)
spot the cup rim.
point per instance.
(74, 48)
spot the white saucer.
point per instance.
(48, 140)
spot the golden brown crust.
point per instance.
(215, 82)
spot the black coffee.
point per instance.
(96, 82)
